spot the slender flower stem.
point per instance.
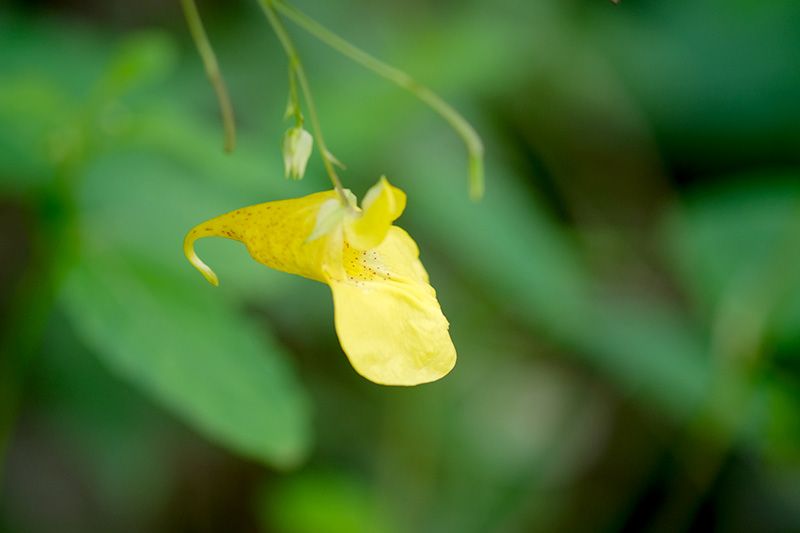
(297, 66)
(294, 100)
(212, 70)
(400, 78)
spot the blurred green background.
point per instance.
(625, 301)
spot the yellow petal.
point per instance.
(387, 317)
(275, 233)
(382, 205)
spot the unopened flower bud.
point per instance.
(297, 145)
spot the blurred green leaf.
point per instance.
(71, 55)
(46, 123)
(740, 90)
(193, 354)
(144, 203)
(743, 236)
(141, 59)
(782, 428)
(323, 501)
(33, 112)
(95, 434)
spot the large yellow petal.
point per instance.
(275, 233)
(387, 317)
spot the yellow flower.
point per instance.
(387, 317)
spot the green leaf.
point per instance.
(323, 501)
(142, 59)
(739, 243)
(192, 354)
(145, 203)
(34, 131)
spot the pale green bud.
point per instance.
(297, 145)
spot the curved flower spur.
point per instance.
(387, 317)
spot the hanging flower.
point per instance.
(297, 145)
(387, 316)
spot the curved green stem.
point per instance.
(212, 70)
(457, 122)
(299, 71)
(293, 108)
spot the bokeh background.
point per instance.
(625, 301)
